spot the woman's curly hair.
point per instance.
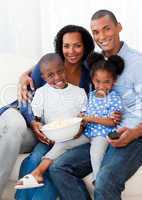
(86, 38)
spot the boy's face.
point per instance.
(54, 74)
(106, 34)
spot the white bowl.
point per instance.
(62, 129)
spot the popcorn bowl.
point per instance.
(62, 129)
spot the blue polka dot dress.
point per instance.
(101, 107)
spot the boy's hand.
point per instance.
(36, 126)
(79, 132)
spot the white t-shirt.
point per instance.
(51, 104)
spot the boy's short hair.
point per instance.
(49, 57)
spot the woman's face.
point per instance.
(73, 47)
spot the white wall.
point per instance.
(28, 28)
(20, 31)
(54, 16)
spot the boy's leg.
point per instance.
(98, 147)
(57, 150)
(60, 147)
(29, 164)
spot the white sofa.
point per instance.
(132, 190)
(11, 67)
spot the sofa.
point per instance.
(11, 67)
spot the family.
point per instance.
(105, 89)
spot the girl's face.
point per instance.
(54, 74)
(103, 82)
(73, 47)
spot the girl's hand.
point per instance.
(36, 126)
(116, 116)
(24, 82)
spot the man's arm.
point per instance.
(127, 135)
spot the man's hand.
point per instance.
(36, 126)
(127, 135)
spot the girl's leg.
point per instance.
(98, 147)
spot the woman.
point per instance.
(74, 44)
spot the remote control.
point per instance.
(113, 135)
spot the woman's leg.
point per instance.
(68, 170)
(47, 192)
(118, 166)
(13, 130)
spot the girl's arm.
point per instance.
(107, 121)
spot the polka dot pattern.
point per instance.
(101, 107)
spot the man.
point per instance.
(124, 155)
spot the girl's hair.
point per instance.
(113, 64)
(86, 38)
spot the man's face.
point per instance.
(106, 34)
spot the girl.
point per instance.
(103, 101)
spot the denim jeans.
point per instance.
(47, 192)
(68, 170)
(118, 166)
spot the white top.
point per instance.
(51, 104)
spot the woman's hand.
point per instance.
(24, 82)
(36, 126)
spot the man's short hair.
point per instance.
(103, 13)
